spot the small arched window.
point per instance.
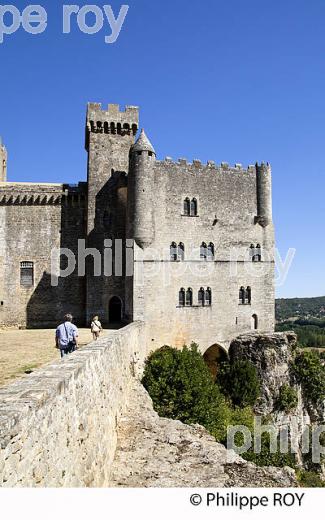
(189, 297)
(187, 207)
(254, 322)
(201, 296)
(203, 251)
(181, 298)
(119, 128)
(210, 251)
(173, 252)
(242, 296)
(248, 296)
(208, 297)
(99, 127)
(252, 252)
(193, 208)
(181, 252)
(255, 253)
(113, 130)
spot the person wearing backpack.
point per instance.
(96, 328)
(66, 336)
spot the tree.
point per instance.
(310, 373)
(240, 382)
(181, 387)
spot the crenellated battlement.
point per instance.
(113, 120)
(41, 194)
(197, 165)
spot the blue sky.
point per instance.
(225, 80)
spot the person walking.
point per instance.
(66, 336)
(96, 328)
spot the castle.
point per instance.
(191, 244)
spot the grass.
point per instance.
(23, 351)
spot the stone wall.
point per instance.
(58, 426)
(35, 219)
(227, 213)
(110, 134)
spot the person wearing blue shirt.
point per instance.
(66, 336)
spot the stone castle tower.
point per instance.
(185, 247)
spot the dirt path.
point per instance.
(21, 351)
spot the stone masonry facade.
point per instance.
(189, 246)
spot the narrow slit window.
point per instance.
(203, 251)
(208, 297)
(173, 252)
(201, 297)
(193, 208)
(187, 207)
(189, 298)
(210, 251)
(181, 252)
(252, 252)
(254, 322)
(181, 298)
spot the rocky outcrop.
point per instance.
(156, 452)
(272, 355)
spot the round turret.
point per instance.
(143, 144)
(140, 191)
(264, 194)
(3, 162)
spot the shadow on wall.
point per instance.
(88, 296)
(106, 294)
(49, 303)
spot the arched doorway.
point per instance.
(115, 310)
(213, 357)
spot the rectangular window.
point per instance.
(27, 274)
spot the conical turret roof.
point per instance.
(143, 144)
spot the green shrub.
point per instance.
(310, 373)
(240, 382)
(310, 479)
(181, 387)
(288, 398)
(266, 458)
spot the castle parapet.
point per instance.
(198, 166)
(42, 194)
(111, 121)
